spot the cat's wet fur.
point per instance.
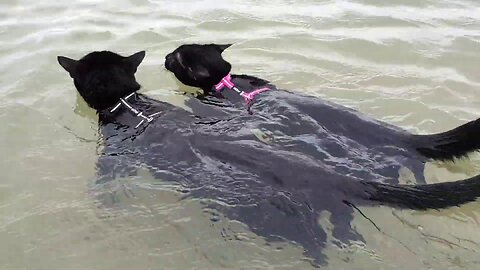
(203, 66)
(102, 78)
(276, 192)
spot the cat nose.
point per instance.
(168, 61)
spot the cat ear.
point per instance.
(222, 47)
(135, 59)
(68, 64)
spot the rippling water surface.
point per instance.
(415, 64)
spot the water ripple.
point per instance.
(411, 63)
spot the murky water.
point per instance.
(412, 63)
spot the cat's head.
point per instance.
(198, 65)
(102, 78)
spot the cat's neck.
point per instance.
(132, 111)
(244, 83)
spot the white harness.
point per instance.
(133, 110)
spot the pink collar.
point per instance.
(226, 82)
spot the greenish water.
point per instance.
(412, 63)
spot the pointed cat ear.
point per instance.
(222, 47)
(135, 59)
(68, 64)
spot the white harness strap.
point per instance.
(133, 110)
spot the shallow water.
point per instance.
(411, 63)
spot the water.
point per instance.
(411, 63)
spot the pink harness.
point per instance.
(248, 97)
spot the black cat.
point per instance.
(350, 142)
(277, 193)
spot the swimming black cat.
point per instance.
(350, 142)
(276, 192)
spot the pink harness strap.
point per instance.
(225, 82)
(248, 97)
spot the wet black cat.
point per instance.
(277, 193)
(366, 147)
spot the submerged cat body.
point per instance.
(346, 140)
(276, 192)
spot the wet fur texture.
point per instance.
(203, 66)
(277, 187)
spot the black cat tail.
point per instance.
(422, 197)
(451, 144)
